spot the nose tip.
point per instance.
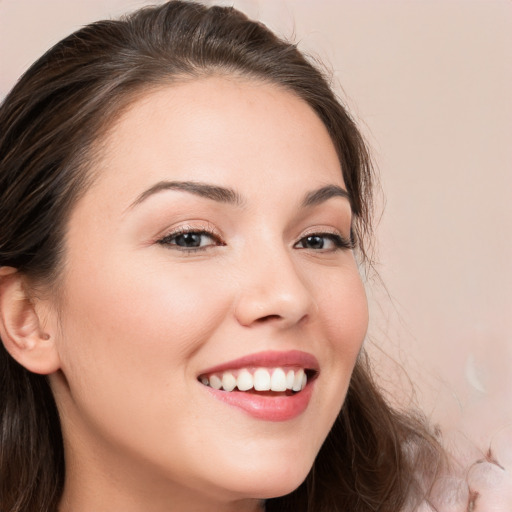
(276, 294)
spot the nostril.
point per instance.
(279, 318)
(268, 318)
(270, 305)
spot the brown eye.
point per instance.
(312, 242)
(324, 242)
(190, 240)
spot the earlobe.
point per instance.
(22, 331)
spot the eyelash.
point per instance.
(340, 242)
(185, 230)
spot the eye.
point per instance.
(324, 242)
(190, 240)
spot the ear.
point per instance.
(22, 329)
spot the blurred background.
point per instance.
(429, 83)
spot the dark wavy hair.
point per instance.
(51, 124)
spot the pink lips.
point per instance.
(268, 407)
(269, 359)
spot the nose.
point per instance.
(273, 291)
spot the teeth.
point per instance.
(228, 381)
(297, 381)
(215, 382)
(261, 379)
(304, 381)
(244, 381)
(290, 377)
(278, 380)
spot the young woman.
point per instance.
(185, 207)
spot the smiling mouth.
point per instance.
(278, 381)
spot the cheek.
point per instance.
(343, 311)
(127, 348)
(343, 319)
(132, 331)
(143, 307)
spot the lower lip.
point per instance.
(268, 408)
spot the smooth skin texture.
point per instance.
(140, 316)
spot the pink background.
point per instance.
(430, 83)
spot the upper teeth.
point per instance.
(261, 379)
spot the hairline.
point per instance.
(88, 157)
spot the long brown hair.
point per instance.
(50, 125)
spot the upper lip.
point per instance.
(268, 359)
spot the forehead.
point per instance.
(230, 131)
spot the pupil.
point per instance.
(315, 242)
(189, 240)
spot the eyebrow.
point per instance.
(230, 196)
(213, 192)
(323, 194)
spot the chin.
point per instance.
(269, 463)
(283, 486)
(277, 479)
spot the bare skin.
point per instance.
(163, 283)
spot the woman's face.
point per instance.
(214, 247)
